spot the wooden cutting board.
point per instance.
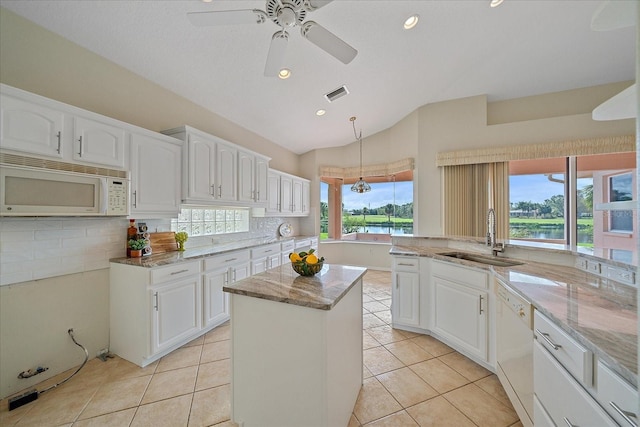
(163, 242)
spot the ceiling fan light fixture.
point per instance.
(411, 22)
(495, 3)
(284, 73)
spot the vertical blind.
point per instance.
(469, 192)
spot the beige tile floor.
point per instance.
(409, 380)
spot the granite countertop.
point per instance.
(599, 313)
(157, 260)
(322, 291)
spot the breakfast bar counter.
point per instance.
(296, 347)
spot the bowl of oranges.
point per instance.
(306, 263)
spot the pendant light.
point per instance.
(360, 186)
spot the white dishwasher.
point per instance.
(514, 350)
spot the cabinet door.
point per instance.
(226, 168)
(274, 261)
(273, 191)
(246, 177)
(405, 309)
(201, 154)
(99, 143)
(306, 198)
(258, 265)
(286, 194)
(30, 128)
(262, 171)
(297, 196)
(460, 315)
(176, 312)
(216, 302)
(155, 176)
(239, 272)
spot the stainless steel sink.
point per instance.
(483, 259)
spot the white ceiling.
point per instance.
(458, 49)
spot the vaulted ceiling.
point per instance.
(458, 49)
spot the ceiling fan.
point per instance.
(286, 14)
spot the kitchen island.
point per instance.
(296, 347)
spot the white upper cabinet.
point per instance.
(216, 171)
(96, 142)
(273, 192)
(226, 165)
(288, 195)
(34, 125)
(31, 128)
(155, 175)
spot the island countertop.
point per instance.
(322, 291)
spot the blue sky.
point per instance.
(537, 188)
(381, 194)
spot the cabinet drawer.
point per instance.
(573, 356)
(264, 251)
(174, 271)
(411, 264)
(287, 246)
(614, 392)
(225, 260)
(301, 244)
(561, 396)
(465, 275)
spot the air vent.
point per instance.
(337, 93)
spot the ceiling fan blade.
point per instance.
(227, 17)
(277, 50)
(328, 42)
(312, 5)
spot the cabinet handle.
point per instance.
(220, 190)
(234, 274)
(135, 199)
(179, 272)
(59, 136)
(566, 420)
(213, 190)
(80, 141)
(226, 278)
(155, 303)
(545, 336)
(257, 195)
(406, 265)
(230, 259)
(481, 304)
(625, 414)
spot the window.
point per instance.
(541, 198)
(206, 221)
(386, 209)
(620, 191)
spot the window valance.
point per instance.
(384, 169)
(577, 147)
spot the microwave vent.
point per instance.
(33, 162)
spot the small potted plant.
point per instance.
(181, 237)
(136, 246)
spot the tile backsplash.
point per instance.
(37, 248)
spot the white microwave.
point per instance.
(41, 192)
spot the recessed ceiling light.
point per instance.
(411, 22)
(285, 73)
(495, 3)
(320, 113)
(207, 1)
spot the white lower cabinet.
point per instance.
(460, 309)
(560, 397)
(265, 257)
(617, 396)
(153, 310)
(176, 312)
(405, 292)
(222, 270)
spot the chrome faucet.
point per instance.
(491, 233)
